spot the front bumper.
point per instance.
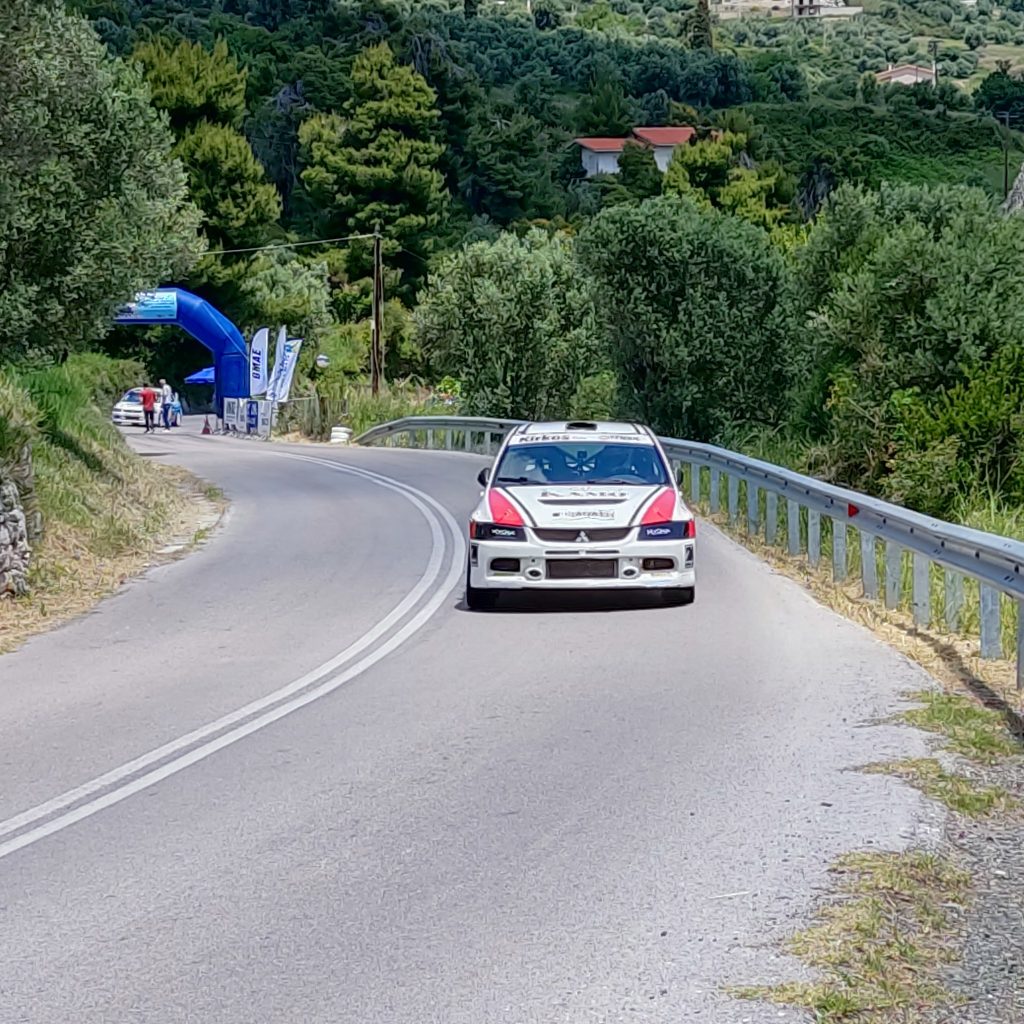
(532, 569)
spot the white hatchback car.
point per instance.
(580, 506)
(128, 411)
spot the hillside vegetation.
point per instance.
(823, 275)
(87, 163)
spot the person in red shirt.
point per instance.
(149, 408)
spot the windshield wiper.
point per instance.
(513, 480)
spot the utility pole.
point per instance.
(1006, 155)
(377, 333)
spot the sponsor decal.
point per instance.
(587, 438)
(663, 531)
(259, 376)
(585, 513)
(149, 306)
(584, 493)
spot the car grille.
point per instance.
(582, 568)
(583, 535)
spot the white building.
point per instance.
(664, 141)
(601, 155)
(819, 9)
(907, 74)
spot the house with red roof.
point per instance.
(907, 74)
(601, 155)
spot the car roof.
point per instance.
(607, 431)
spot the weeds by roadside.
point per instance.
(881, 945)
(970, 730)
(958, 793)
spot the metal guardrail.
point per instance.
(958, 552)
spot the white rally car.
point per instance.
(580, 506)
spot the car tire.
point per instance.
(478, 599)
(675, 597)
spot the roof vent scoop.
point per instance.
(580, 425)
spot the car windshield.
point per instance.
(132, 397)
(573, 462)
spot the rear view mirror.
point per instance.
(482, 476)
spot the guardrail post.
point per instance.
(793, 526)
(771, 517)
(694, 483)
(991, 641)
(448, 438)
(734, 498)
(868, 567)
(813, 537)
(467, 439)
(753, 509)
(954, 586)
(430, 438)
(487, 442)
(713, 493)
(1020, 645)
(922, 590)
(838, 551)
(893, 573)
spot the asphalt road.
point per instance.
(291, 780)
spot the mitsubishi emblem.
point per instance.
(582, 538)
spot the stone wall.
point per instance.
(19, 519)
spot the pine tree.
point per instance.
(192, 84)
(229, 185)
(638, 172)
(701, 36)
(379, 165)
(606, 111)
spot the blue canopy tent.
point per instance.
(207, 376)
(207, 325)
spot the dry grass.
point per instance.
(880, 947)
(78, 564)
(958, 793)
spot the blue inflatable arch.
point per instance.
(207, 325)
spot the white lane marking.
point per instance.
(424, 503)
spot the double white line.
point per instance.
(134, 776)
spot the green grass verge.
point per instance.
(104, 510)
(973, 731)
(956, 792)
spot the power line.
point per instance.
(284, 245)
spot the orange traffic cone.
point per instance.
(206, 426)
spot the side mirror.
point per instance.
(482, 476)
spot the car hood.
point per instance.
(552, 506)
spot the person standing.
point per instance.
(149, 408)
(176, 410)
(166, 401)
